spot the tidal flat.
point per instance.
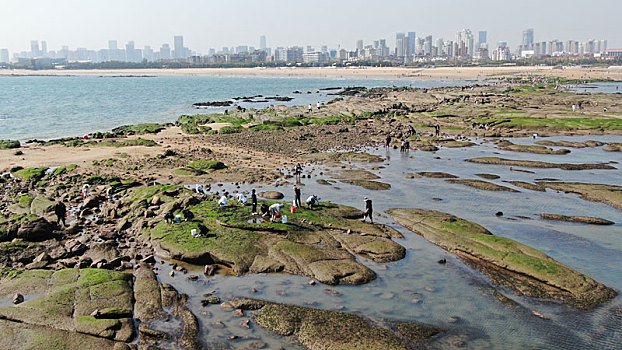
(324, 268)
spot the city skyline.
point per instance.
(408, 48)
(207, 24)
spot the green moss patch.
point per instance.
(538, 164)
(522, 268)
(9, 144)
(548, 124)
(139, 129)
(30, 174)
(324, 329)
(482, 185)
(233, 237)
(207, 165)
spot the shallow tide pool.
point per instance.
(419, 289)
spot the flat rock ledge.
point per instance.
(324, 329)
(590, 220)
(523, 269)
(321, 243)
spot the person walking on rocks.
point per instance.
(437, 129)
(297, 202)
(369, 211)
(388, 141)
(60, 210)
(310, 108)
(298, 171)
(253, 201)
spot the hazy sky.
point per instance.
(214, 24)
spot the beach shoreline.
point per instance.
(465, 73)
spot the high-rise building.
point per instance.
(572, 47)
(439, 46)
(262, 42)
(131, 54)
(34, 48)
(528, 39)
(464, 42)
(44, 48)
(359, 46)
(482, 38)
(148, 53)
(178, 50)
(4, 56)
(427, 46)
(411, 42)
(399, 44)
(112, 44)
(165, 52)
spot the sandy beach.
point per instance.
(467, 73)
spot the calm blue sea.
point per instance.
(45, 107)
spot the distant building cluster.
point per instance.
(409, 48)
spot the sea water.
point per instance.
(46, 107)
(419, 289)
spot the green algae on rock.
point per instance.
(318, 243)
(613, 147)
(488, 176)
(325, 329)
(90, 309)
(509, 146)
(482, 185)
(608, 194)
(573, 144)
(436, 175)
(353, 174)
(507, 262)
(369, 184)
(538, 164)
(576, 219)
(345, 157)
(527, 186)
(71, 296)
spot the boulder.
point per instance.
(75, 247)
(271, 195)
(41, 206)
(35, 229)
(18, 299)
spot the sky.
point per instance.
(209, 24)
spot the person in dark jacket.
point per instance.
(253, 201)
(297, 201)
(60, 210)
(188, 215)
(369, 211)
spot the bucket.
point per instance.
(293, 210)
(193, 232)
(284, 219)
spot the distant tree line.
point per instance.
(534, 61)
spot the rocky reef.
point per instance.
(507, 262)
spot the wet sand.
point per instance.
(614, 73)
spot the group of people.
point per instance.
(405, 144)
(475, 125)
(318, 105)
(275, 210)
